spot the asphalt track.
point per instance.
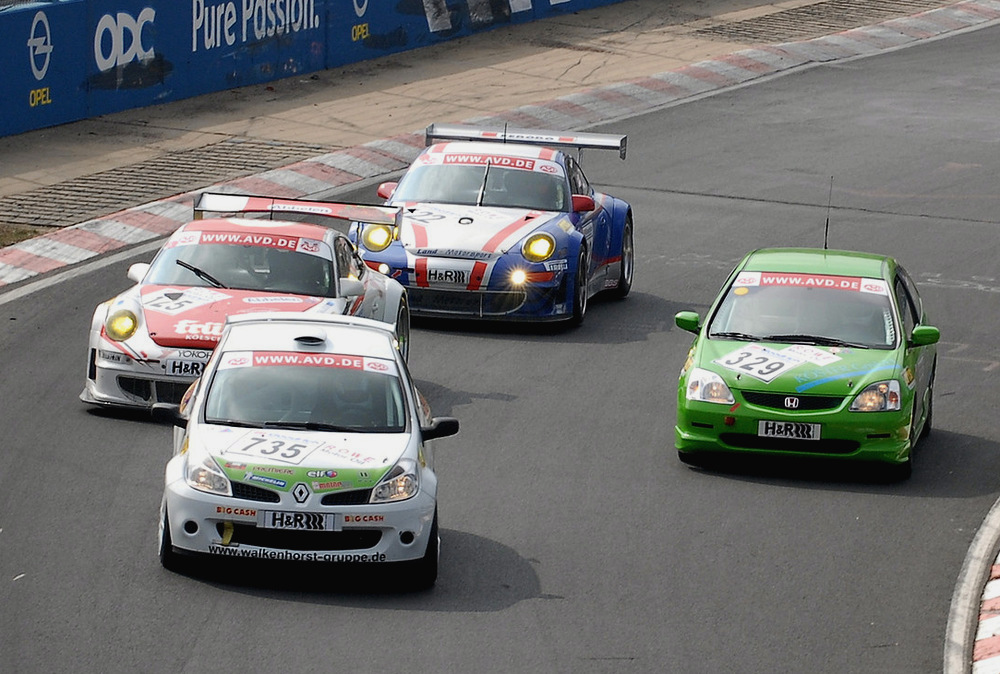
(573, 540)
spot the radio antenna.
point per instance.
(826, 228)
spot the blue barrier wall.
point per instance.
(67, 60)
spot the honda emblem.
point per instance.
(791, 403)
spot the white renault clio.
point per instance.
(304, 440)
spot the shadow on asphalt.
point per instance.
(945, 465)
(476, 574)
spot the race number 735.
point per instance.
(285, 450)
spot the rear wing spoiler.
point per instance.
(213, 202)
(579, 141)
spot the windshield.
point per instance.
(310, 391)
(245, 267)
(806, 308)
(487, 184)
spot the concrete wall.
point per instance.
(67, 60)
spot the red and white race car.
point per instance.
(150, 342)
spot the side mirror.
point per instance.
(169, 413)
(441, 427)
(137, 271)
(583, 203)
(351, 287)
(385, 190)
(924, 335)
(688, 320)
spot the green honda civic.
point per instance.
(809, 352)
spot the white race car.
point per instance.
(149, 343)
(304, 440)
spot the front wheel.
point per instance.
(580, 289)
(169, 558)
(425, 569)
(403, 329)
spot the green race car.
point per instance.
(809, 352)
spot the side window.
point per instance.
(907, 309)
(577, 181)
(348, 263)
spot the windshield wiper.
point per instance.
(233, 422)
(309, 426)
(482, 190)
(819, 340)
(201, 273)
(741, 336)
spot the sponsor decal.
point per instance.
(294, 556)
(183, 368)
(352, 456)
(224, 24)
(492, 160)
(851, 283)
(113, 356)
(272, 469)
(294, 359)
(119, 39)
(300, 521)
(356, 519)
(173, 301)
(238, 512)
(451, 276)
(556, 265)
(288, 299)
(40, 45)
(235, 466)
(322, 486)
(454, 252)
(321, 473)
(811, 354)
(274, 482)
(198, 330)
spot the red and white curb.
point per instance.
(81, 242)
(986, 651)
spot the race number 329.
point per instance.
(757, 361)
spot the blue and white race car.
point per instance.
(503, 225)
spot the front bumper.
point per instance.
(865, 436)
(225, 526)
(114, 379)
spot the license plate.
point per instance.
(275, 519)
(796, 430)
(186, 368)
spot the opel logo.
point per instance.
(791, 402)
(40, 45)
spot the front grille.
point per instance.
(251, 493)
(353, 497)
(748, 441)
(777, 401)
(465, 302)
(135, 387)
(171, 391)
(282, 539)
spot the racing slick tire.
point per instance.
(424, 571)
(169, 559)
(580, 289)
(403, 329)
(627, 263)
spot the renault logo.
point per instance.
(791, 402)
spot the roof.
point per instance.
(323, 334)
(818, 261)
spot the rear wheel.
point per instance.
(580, 288)
(627, 262)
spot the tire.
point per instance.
(403, 329)
(627, 263)
(169, 558)
(928, 425)
(580, 290)
(692, 459)
(424, 571)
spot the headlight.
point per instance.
(882, 396)
(121, 325)
(707, 387)
(376, 237)
(400, 484)
(538, 247)
(206, 476)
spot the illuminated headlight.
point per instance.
(383, 268)
(538, 247)
(400, 484)
(121, 324)
(882, 396)
(207, 477)
(518, 277)
(707, 387)
(376, 237)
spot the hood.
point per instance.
(193, 317)
(467, 231)
(326, 462)
(797, 368)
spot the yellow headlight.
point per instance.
(121, 325)
(538, 247)
(377, 237)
